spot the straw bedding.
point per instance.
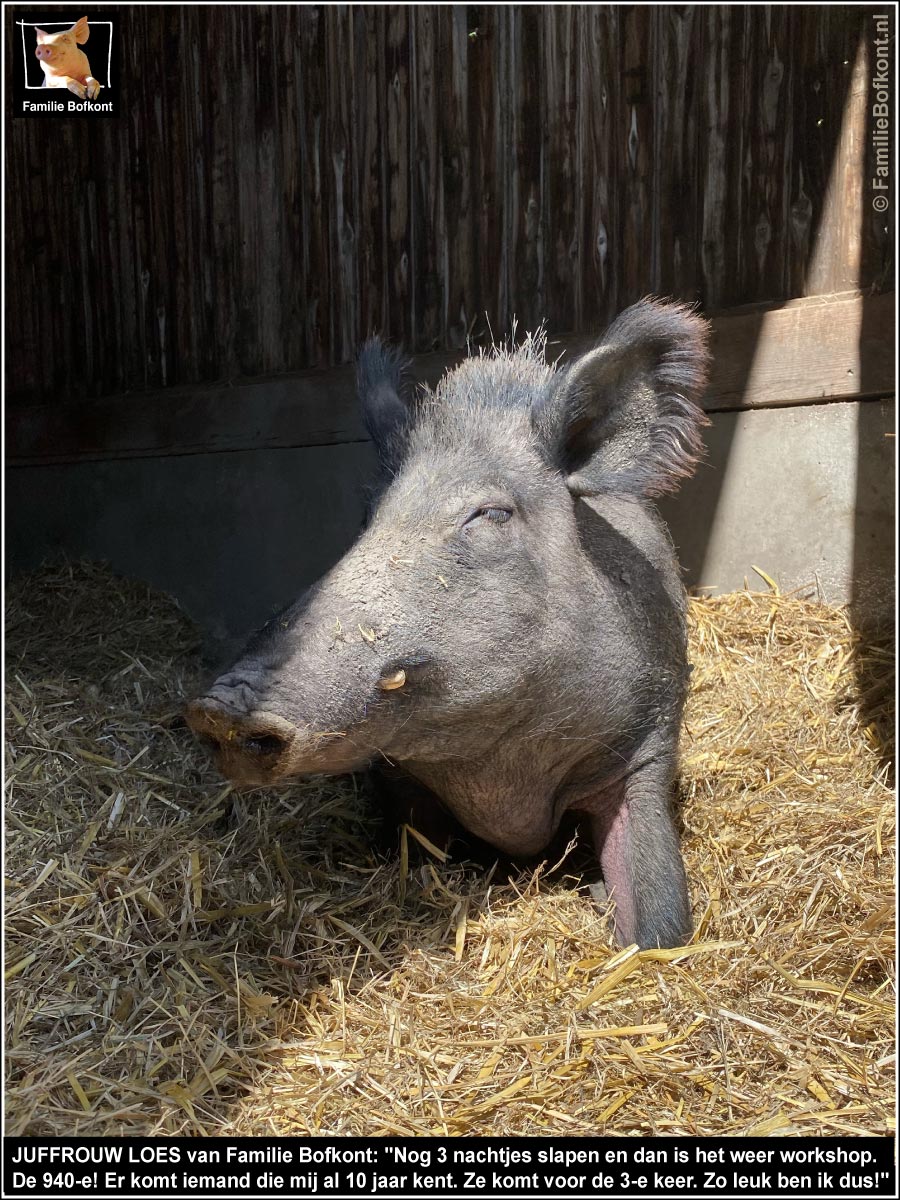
(181, 959)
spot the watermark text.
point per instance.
(881, 112)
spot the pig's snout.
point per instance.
(44, 52)
(249, 747)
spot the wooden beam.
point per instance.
(837, 347)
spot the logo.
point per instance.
(65, 66)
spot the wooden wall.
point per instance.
(287, 179)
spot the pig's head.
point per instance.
(61, 49)
(451, 621)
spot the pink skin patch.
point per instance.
(615, 856)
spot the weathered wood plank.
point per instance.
(599, 237)
(564, 112)
(486, 166)
(675, 150)
(456, 178)
(285, 179)
(634, 146)
(337, 165)
(426, 180)
(315, 169)
(806, 350)
(398, 323)
(716, 246)
(830, 186)
(525, 153)
(801, 352)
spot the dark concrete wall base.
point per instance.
(233, 537)
(807, 494)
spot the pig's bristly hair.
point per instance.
(483, 407)
(483, 402)
(623, 418)
(503, 377)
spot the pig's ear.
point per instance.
(41, 34)
(82, 31)
(380, 382)
(625, 417)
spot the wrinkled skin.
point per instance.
(509, 630)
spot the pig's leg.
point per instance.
(92, 87)
(74, 86)
(636, 842)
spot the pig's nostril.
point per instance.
(257, 741)
(263, 745)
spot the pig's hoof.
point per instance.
(77, 88)
(93, 87)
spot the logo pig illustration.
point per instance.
(63, 64)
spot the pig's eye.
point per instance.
(494, 513)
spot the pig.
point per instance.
(507, 634)
(63, 64)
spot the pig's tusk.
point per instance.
(391, 682)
